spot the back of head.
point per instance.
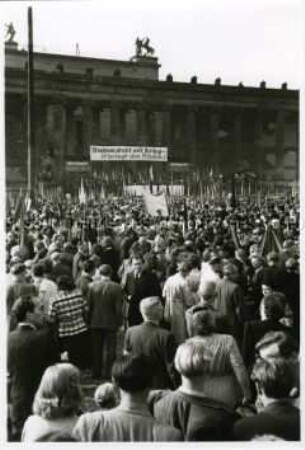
(150, 308)
(132, 373)
(202, 322)
(38, 270)
(59, 393)
(230, 270)
(207, 290)
(193, 358)
(105, 270)
(275, 377)
(105, 395)
(22, 307)
(65, 283)
(89, 266)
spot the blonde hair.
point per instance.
(59, 393)
(192, 358)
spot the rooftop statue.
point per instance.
(10, 32)
(144, 44)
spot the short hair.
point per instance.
(38, 270)
(132, 373)
(274, 306)
(105, 270)
(193, 358)
(105, 395)
(275, 377)
(65, 283)
(59, 393)
(273, 256)
(89, 265)
(22, 306)
(148, 306)
(230, 268)
(202, 322)
(184, 266)
(207, 290)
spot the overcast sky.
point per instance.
(236, 40)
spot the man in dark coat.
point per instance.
(109, 255)
(105, 316)
(229, 302)
(274, 381)
(30, 351)
(155, 343)
(139, 284)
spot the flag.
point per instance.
(270, 242)
(234, 235)
(155, 204)
(82, 193)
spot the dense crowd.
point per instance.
(206, 302)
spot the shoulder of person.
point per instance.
(167, 433)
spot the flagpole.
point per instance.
(30, 106)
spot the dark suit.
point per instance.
(230, 307)
(158, 345)
(279, 418)
(105, 301)
(30, 352)
(146, 285)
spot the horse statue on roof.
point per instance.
(144, 44)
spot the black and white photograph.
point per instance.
(150, 204)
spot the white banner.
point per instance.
(155, 204)
(138, 189)
(129, 153)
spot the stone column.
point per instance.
(142, 126)
(214, 127)
(280, 136)
(131, 125)
(56, 128)
(115, 123)
(88, 116)
(191, 134)
(105, 124)
(158, 128)
(259, 142)
(237, 138)
(167, 131)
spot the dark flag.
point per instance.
(270, 242)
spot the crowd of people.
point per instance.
(189, 325)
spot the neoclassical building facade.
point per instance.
(81, 101)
